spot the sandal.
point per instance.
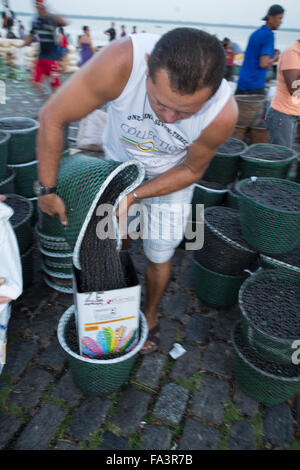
(153, 338)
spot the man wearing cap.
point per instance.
(260, 55)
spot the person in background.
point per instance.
(10, 34)
(63, 47)
(123, 31)
(168, 92)
(21, 30)
(8, 16)
(134, 31)
(230, 54)
(260, 55)
(85, 45)
(283, 114)
(47, 65)
(111, 32)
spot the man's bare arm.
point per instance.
(292, 80)
(101, 80)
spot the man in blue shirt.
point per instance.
(260, 55)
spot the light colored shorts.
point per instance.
(163, 223)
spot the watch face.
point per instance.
(37, 188)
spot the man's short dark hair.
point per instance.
(192, 58)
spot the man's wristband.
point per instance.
(136, 196)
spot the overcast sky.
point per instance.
(240, 12)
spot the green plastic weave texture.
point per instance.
(266, 168)
(208, 197)
(223, 168)
(265, 345)
(81, 182)
(99, 376)
(4, 138)
(216, 289)
(26, 175)
(255, 381)
(22, 142)
(270, 231)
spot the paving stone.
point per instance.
(151, 369)
(130, 410)
(278, 425)
(44, 325)
(156, 437)
(241, 436)
(224, 323)
(171, 403)
(247, 405)
(18, 357)
(29, 390)
(112, 442)
(198, 329)
(67, 390)
(217, 358)
(208, 402)
(89, 417)
(198, 436)
(9, 425)
(188, 278)
(177, 306)
(64, 445)
(297, 411)
(53, 356)
(186, 365)
(39, 432)
(168, 332)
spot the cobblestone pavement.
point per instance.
(191, 403)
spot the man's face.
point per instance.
(275, 21)
(171, 106)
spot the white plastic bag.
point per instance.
(11, 271)
(91, 130)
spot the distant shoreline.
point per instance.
(144, 20)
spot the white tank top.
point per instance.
(133, 130)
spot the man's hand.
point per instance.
(2, 198)
(53, 205)
(122, 212)
(3, 300)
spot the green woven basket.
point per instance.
(27, 261)
(55, 257)
(4, 139)
(262, 386)
(271, 263)
(99, 376)
(216, 289)
(81, 182)
(22, 229)
(7, 185)
(22, 142)
(34, 218)
(223, 168)
(263, 344)
(266, 168)
(26, 175)
(60, 285)
(268, 230)
(298, 171)
(207, 196)
(232, 198)
(57, 267)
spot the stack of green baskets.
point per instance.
(232, 197)
(21, 156)
(206, 194)
(20, 221)
(55, 252)
(251, 166)
(263, 362)
(270, 231)
(7, 185)
(222, 265)
(96, 376)
(223, 168)
(7, 176)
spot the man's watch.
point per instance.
(41, 190)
